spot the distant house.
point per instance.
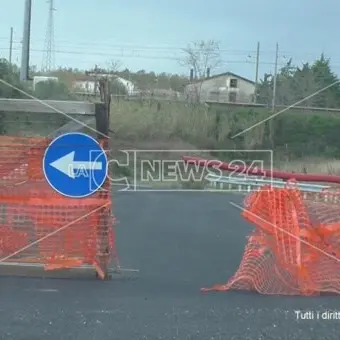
(84, 84)
(90, 85)
(130, 87)
(224, 87)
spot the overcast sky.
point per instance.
(149, 34)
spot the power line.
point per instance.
(164, 47)
(245, 61)
(133, 46)
(103, 45)
(161, 48)
(137, 47)
(148, 56)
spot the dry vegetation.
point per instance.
(137, 121)
(145, 121)
(179, 126)
(310, 165)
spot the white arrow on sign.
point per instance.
(67, 165)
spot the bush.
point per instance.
(53, 90)
(10, 74)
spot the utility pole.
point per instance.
(95, 80)
(271, 122)
(25, 54)
(104, 86)
(102, 79)
(257, 71)
(275, 78)
(10, 45)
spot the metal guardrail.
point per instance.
(251, 183)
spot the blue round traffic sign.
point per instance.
(75, 165)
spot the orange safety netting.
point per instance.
(295, 246)
(38, 225)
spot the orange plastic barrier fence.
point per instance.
(295, 246)
(38, 225)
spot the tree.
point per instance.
(113, 66)
(295, 84)
(202, 57)
(323, 77)
(178, 83)
(52, 90)
(10, 74)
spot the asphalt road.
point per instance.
(180, 242)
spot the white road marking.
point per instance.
(97, 312)
(42, 290)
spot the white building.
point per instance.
(88, 85)
(129, 85)
(85, 86)
(224, 87)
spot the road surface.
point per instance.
(180, 242)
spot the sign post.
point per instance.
(75, 165)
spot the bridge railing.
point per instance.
(250, 183)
